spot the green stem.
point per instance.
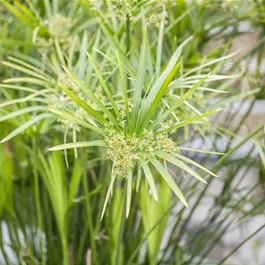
(123, 218)
(137, 249)
(214, 167)
(90, 222)
(65, 249)
(239, 204)
(128, 44)
(182, 211)
(38, 204)
(2, 249)
(240, 245)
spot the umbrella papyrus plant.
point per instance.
(137, 130)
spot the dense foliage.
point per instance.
(118, 120)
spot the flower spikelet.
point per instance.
(128, 150)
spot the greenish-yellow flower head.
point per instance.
(126, 151)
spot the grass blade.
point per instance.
(83, 105)
(191, 120)
(128, 194)
(150, 179)
(178, 102)
(22, 111)
(164, 174)
(179, 164)
(26, 125)
(100, 143)
(113, 177)
(72, 118)
(136, 102)
(105, 87)
(187, 160)
(159, 95)
(27, 71)
(91, 95)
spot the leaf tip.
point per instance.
(88, 55)
(101, 217)
(64, 67)
(127, 213)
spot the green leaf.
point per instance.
(65, 151)
(261, 152)
(152, 212)
(27, 71)
(164, 174)
(48, 8)
(150, 179)
(84, 105)
(139, 177)
(187, 160)
(231, 99)
(31, 97)
(17, 42)
(110, 188)
(72, 118)
(30, 80)
(171, 159)
(18, 14)
(75, 180)
(159, 49)
(127, 64)
(82, 62)
(136, 102)
(123, 85)
(178, 102)
(100, 143)
(26, 125)
(31, 67)
(161, 80)
(28, 13)
(159, 95)
(191, 120)
(200, 150)
(22, 111)
(195, 69)
(91, 95)
(128, 194)
(59, 50)
(105, 87)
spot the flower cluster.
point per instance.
(167, 124)
(127, 150)
(67, 82)
(59, 27)
(128, 9)
(158, 17)
(125, 9)
(230, 5)
(65, 124)
(62, 101)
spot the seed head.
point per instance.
(128, 150)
